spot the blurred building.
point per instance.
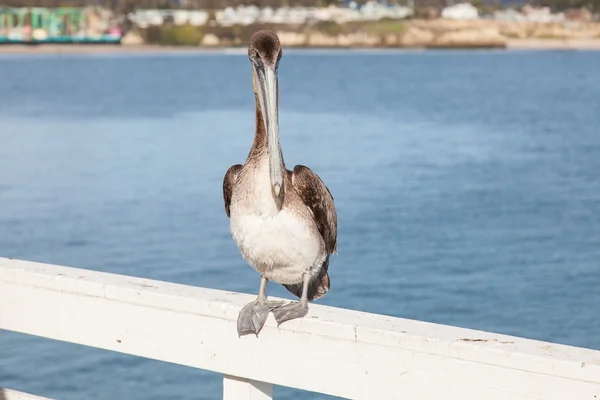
(247, 15)
(460, 11)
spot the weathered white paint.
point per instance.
(9, 394)
(235, 388)
(334, 351)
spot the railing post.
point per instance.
(235, 388)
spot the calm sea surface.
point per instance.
(467, 186)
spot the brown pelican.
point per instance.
(284, 222)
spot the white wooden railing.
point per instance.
(334, 351)
(9, 394)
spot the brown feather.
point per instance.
(228, 182)
(317, 197)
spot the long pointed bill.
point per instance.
(267, 96)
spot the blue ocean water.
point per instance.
(467, 186)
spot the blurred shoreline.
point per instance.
(386, 34)
(513, 44)
(554, 44)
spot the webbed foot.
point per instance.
(254, 315)
(290, 311)
(273, 304)
(252, 318)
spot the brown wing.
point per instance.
(228, 183)
(319, 200)
(317, 197)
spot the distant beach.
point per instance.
(512, 44)
(391, 34)
(554, 44)
(108, 49)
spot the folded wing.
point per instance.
(317, 197)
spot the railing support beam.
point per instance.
(235, 388)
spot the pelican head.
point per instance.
(265, 52)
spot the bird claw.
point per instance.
(290, 311)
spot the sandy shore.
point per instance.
(555, 44)
(525, 44)
(108, 49)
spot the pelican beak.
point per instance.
(268, 92)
